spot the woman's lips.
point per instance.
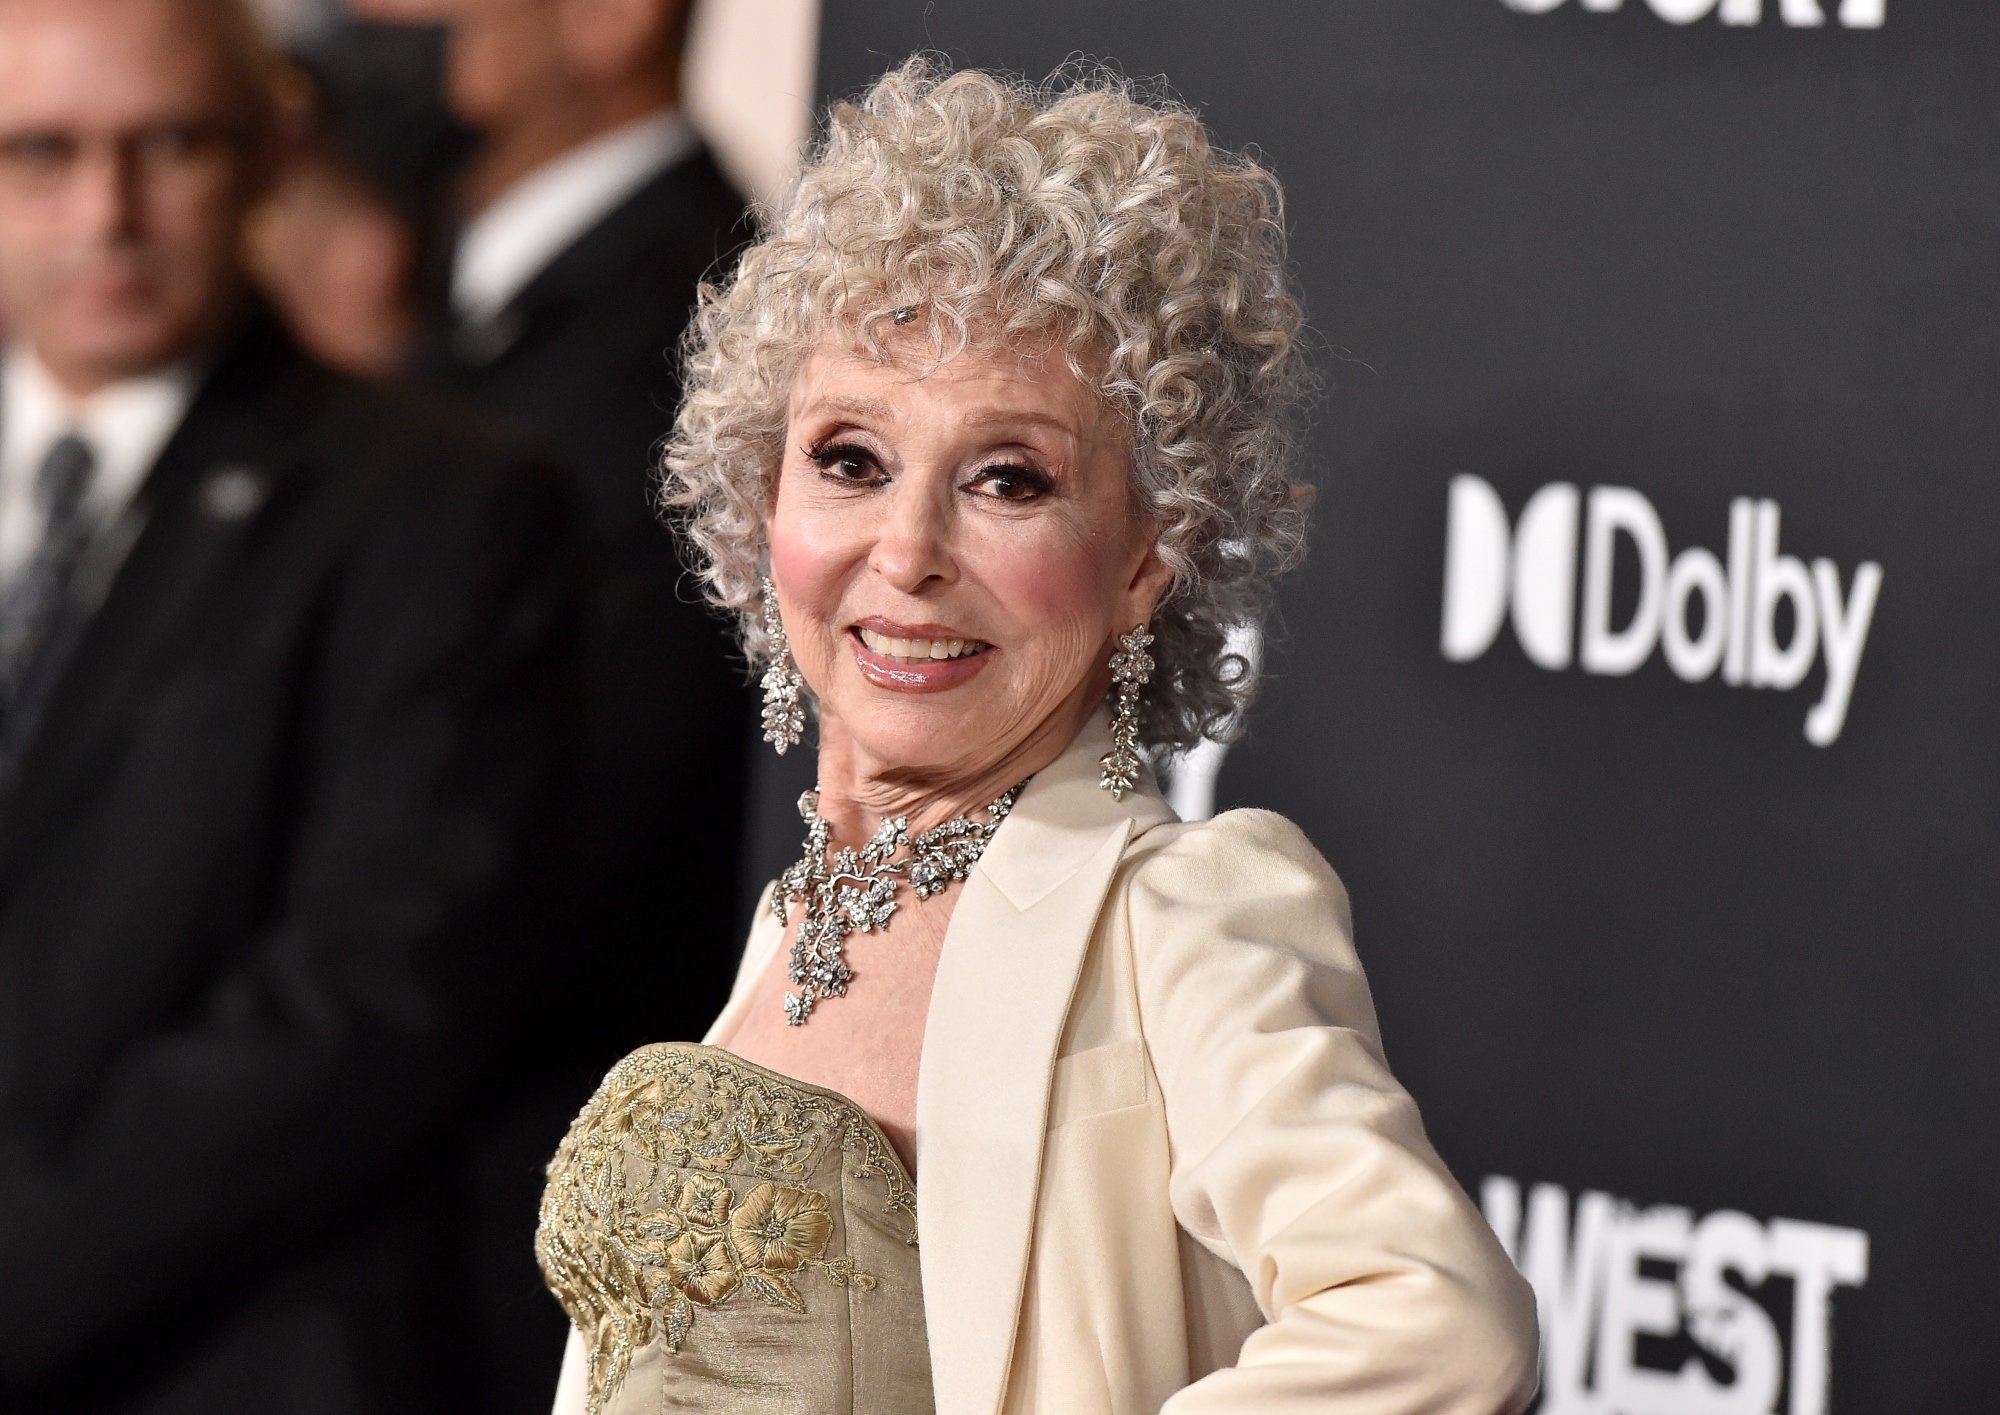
(917, 665)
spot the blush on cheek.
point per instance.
(1065, 582)
(812, 570)
(811, 567)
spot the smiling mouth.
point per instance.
(918, 650)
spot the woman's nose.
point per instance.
(913, 542)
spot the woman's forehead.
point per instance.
(985, 382)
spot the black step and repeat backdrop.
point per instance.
(1643, 683)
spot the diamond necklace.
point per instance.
(855, 891)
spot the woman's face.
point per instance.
(955, 550)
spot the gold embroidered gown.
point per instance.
(727, 1239)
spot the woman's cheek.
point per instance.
(796, 567)
(812, 551)
(1055, 572)
(811, 572)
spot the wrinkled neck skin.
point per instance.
(857, 792)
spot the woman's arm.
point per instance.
(1298, 1157)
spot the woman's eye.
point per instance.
(844, 463)
(1010, 483)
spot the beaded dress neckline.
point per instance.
(723, 1236)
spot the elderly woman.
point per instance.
(985, 444)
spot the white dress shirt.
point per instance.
(126, 426)
(542, 215)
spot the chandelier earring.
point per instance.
(1131, 669)
(784, 689)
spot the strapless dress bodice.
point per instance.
(725, 1238)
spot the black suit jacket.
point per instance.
(266, 880)
(583, 361)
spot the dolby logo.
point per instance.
(1754, 616)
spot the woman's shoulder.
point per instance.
(1236, 923)
(1239, 854)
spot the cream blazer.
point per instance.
(1162, 1165)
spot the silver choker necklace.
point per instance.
(855, 891)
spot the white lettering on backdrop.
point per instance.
(1800, 14)
(1607, 1274)
(1702, 611)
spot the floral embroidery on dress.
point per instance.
(640, 1229)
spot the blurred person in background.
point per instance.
(356, 213)
(335, 257)
(590, 212)
(352, 212)
(284, 668)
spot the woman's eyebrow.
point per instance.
(870, 409)
(1015, 417)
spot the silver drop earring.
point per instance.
(784, 706)
(1131, 670)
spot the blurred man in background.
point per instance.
(282, 679)
(590, 213)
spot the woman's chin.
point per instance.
(938, 721)
(933, 737)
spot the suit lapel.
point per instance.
(1011, 959)
(632, 229)
(211, 487)
(636, 226)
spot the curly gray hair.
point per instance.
(1073, 212)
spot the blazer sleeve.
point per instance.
(394, 959)
(1297, 1156)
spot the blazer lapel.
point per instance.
(1011, 959)
(211, 486)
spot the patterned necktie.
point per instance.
(32, 608)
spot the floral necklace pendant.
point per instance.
(855, 890)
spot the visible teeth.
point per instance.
(919, 650)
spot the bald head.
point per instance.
(242, 56)
(132, 137)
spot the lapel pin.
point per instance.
(232, 493)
